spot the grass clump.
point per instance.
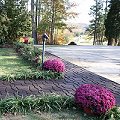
(42, 103)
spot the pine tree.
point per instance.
(112, 23)
(3, 23)
(14, 19)
(96, 27)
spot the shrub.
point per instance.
(29, 52)
(18, 46)
(96, 98)
(113, 114)
(55, 65)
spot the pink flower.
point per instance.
(55, 65)
(95, 97)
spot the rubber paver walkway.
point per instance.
(74, 77)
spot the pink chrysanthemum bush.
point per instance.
(55, 65)
(94, 98)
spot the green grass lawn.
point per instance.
(64, 115)
(11, 64)
(14, 67)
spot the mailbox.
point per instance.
(44, 38)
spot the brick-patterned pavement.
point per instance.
(74, 77)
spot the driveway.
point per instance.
(102, 60)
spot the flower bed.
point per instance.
(56, 65)
(33, 55)
(94, 99)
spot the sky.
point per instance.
(83, 8)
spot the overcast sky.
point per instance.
(83, 8)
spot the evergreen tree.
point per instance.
(3, 23)
(96, 28)
(112, 23)
(15, 20)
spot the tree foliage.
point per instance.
(14, 20)
(96, 28)
(112, 23)
(3, 22)
(53, 13)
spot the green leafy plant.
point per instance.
(51, 102)
(24, 75)
(113, 114)
(28, 52)
(14, 20)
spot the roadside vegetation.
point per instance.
(14, 67)
(49, 107)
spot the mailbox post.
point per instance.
(44, 38)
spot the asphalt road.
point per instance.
(103, 60)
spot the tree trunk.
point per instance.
(94, 41)
(52, 23)
(118, 43)
(115, 42)
(110, 41)
(95, 30)
(39, 2)
(34, 21)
